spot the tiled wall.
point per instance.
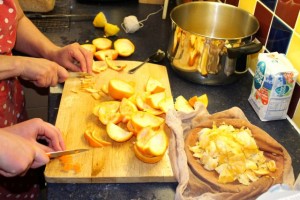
(279, 32)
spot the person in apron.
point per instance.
(47, 65)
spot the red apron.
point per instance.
(11, 93)
(12, 107)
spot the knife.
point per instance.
(56, 154)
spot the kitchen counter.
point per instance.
(154, 35)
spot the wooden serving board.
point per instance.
(111, 164)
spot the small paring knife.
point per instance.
(56, 154)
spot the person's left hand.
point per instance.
(73, 57)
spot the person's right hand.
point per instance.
(20, 149)
(42, 72)
(16, 154)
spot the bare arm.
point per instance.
(34, 43)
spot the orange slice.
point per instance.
(166, 104)
(118, 134)
(108, 111)
(111, 64)
(158, 144)
(146, 159)
(142, 119)
(110, 53)
(89, 47)
(98, 67)
(154, 86)
(203, 99)
(102, 43)
(124, 47)
(91, 141)
(111, 29)
(181, 104)
(143, 137)
(154, 99)
(119, 89)
(97, 137)
(100, 20)
(127, 109)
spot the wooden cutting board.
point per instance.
(111, 164)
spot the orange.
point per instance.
(97, 137)
(119, 89)
(89, 138)
(203, 99)
(109, 111)
(142, 119)
(98, 67)
(143, 137)
(181, 104)
(100, 20)
(157, 144)
(124, 47)
(140, 101)
(102, 43)
(111, 64)
(89, 47)
(104, 88)
(166, 104)
(146, 159)
(110, 53)
(154, 99)
(154, 86)
(111, 29)
(127, 109)
(118, 134)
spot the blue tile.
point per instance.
(270, 3)
(279, 37)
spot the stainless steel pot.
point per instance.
(210, 42)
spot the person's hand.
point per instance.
(16, 154)
(73, 57)
(20, 149)
(42, 72)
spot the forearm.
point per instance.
(11, 66)
(31, 40)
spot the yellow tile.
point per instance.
(296, 117)
(297, 26)
(293, 52)
(248, 5)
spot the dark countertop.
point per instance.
(155, 35)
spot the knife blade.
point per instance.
(56, 154)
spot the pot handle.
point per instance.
(246, 49)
